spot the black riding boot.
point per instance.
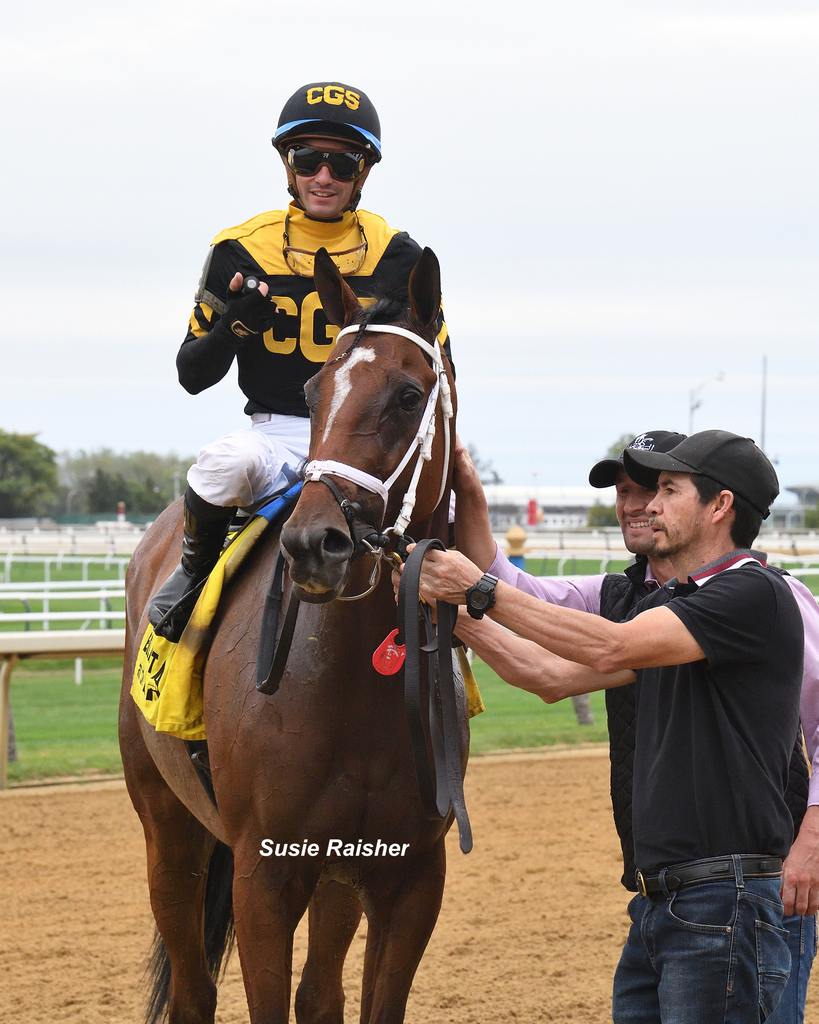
(205, 530)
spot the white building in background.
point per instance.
(566, 508)
(807, 499)
(557, 507)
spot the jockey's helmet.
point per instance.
(330, 110)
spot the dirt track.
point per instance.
(531, 927)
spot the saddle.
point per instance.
(167, 680)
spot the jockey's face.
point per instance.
(323, 196)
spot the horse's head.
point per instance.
(380, 437)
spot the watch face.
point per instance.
(479, 599)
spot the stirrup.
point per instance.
(171, 622)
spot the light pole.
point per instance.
(764, 402)
(694, 400)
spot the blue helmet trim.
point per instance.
(284, 128)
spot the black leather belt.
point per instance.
(711, 869)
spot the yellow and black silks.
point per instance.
(274, 366)
(167, 681)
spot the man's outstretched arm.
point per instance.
(529, 667)
(655, 637)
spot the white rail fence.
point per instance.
(120, 539)
(44, 593)
(54, 563)
(99, 633)
(110, 540)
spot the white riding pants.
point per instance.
(244, 467)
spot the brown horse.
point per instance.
(327, 757)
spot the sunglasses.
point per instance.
(305, 160)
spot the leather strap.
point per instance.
(455, 799)
(410, 635)
(435, 736)
(273, 654)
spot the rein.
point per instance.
(435, 727)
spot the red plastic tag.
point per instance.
(388, 657)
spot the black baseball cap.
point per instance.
(732, 461)
(604, 473)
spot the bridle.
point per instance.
(376, 541)
(366, 538)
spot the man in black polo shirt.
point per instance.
(718, 661)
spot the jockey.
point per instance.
(328, 137)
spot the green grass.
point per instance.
(514, 718)
(61, 728)
(64, 729)
(572, 566)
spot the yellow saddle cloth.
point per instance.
(167, 681)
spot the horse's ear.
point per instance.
(337, 298)
(425, 289)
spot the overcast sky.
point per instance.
(623, 197)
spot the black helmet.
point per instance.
(332, 109)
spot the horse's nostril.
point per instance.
(336, 544)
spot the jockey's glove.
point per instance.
(247, 315)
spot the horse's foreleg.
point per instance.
(179, 852)
(402, 908)
(269, 899)
(335, 911)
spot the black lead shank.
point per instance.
(441, 734)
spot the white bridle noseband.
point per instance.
(424, 436)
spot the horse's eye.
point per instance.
(409, 399)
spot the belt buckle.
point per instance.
(641, 883)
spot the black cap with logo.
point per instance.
(732, 461)
(604, 473)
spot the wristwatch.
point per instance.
(481, 597)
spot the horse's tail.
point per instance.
(219, 934)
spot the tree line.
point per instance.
(35, 480)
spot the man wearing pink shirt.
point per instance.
(613, 595)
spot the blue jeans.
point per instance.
(802, 943)
(713, 953)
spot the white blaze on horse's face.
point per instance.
(344, 385)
